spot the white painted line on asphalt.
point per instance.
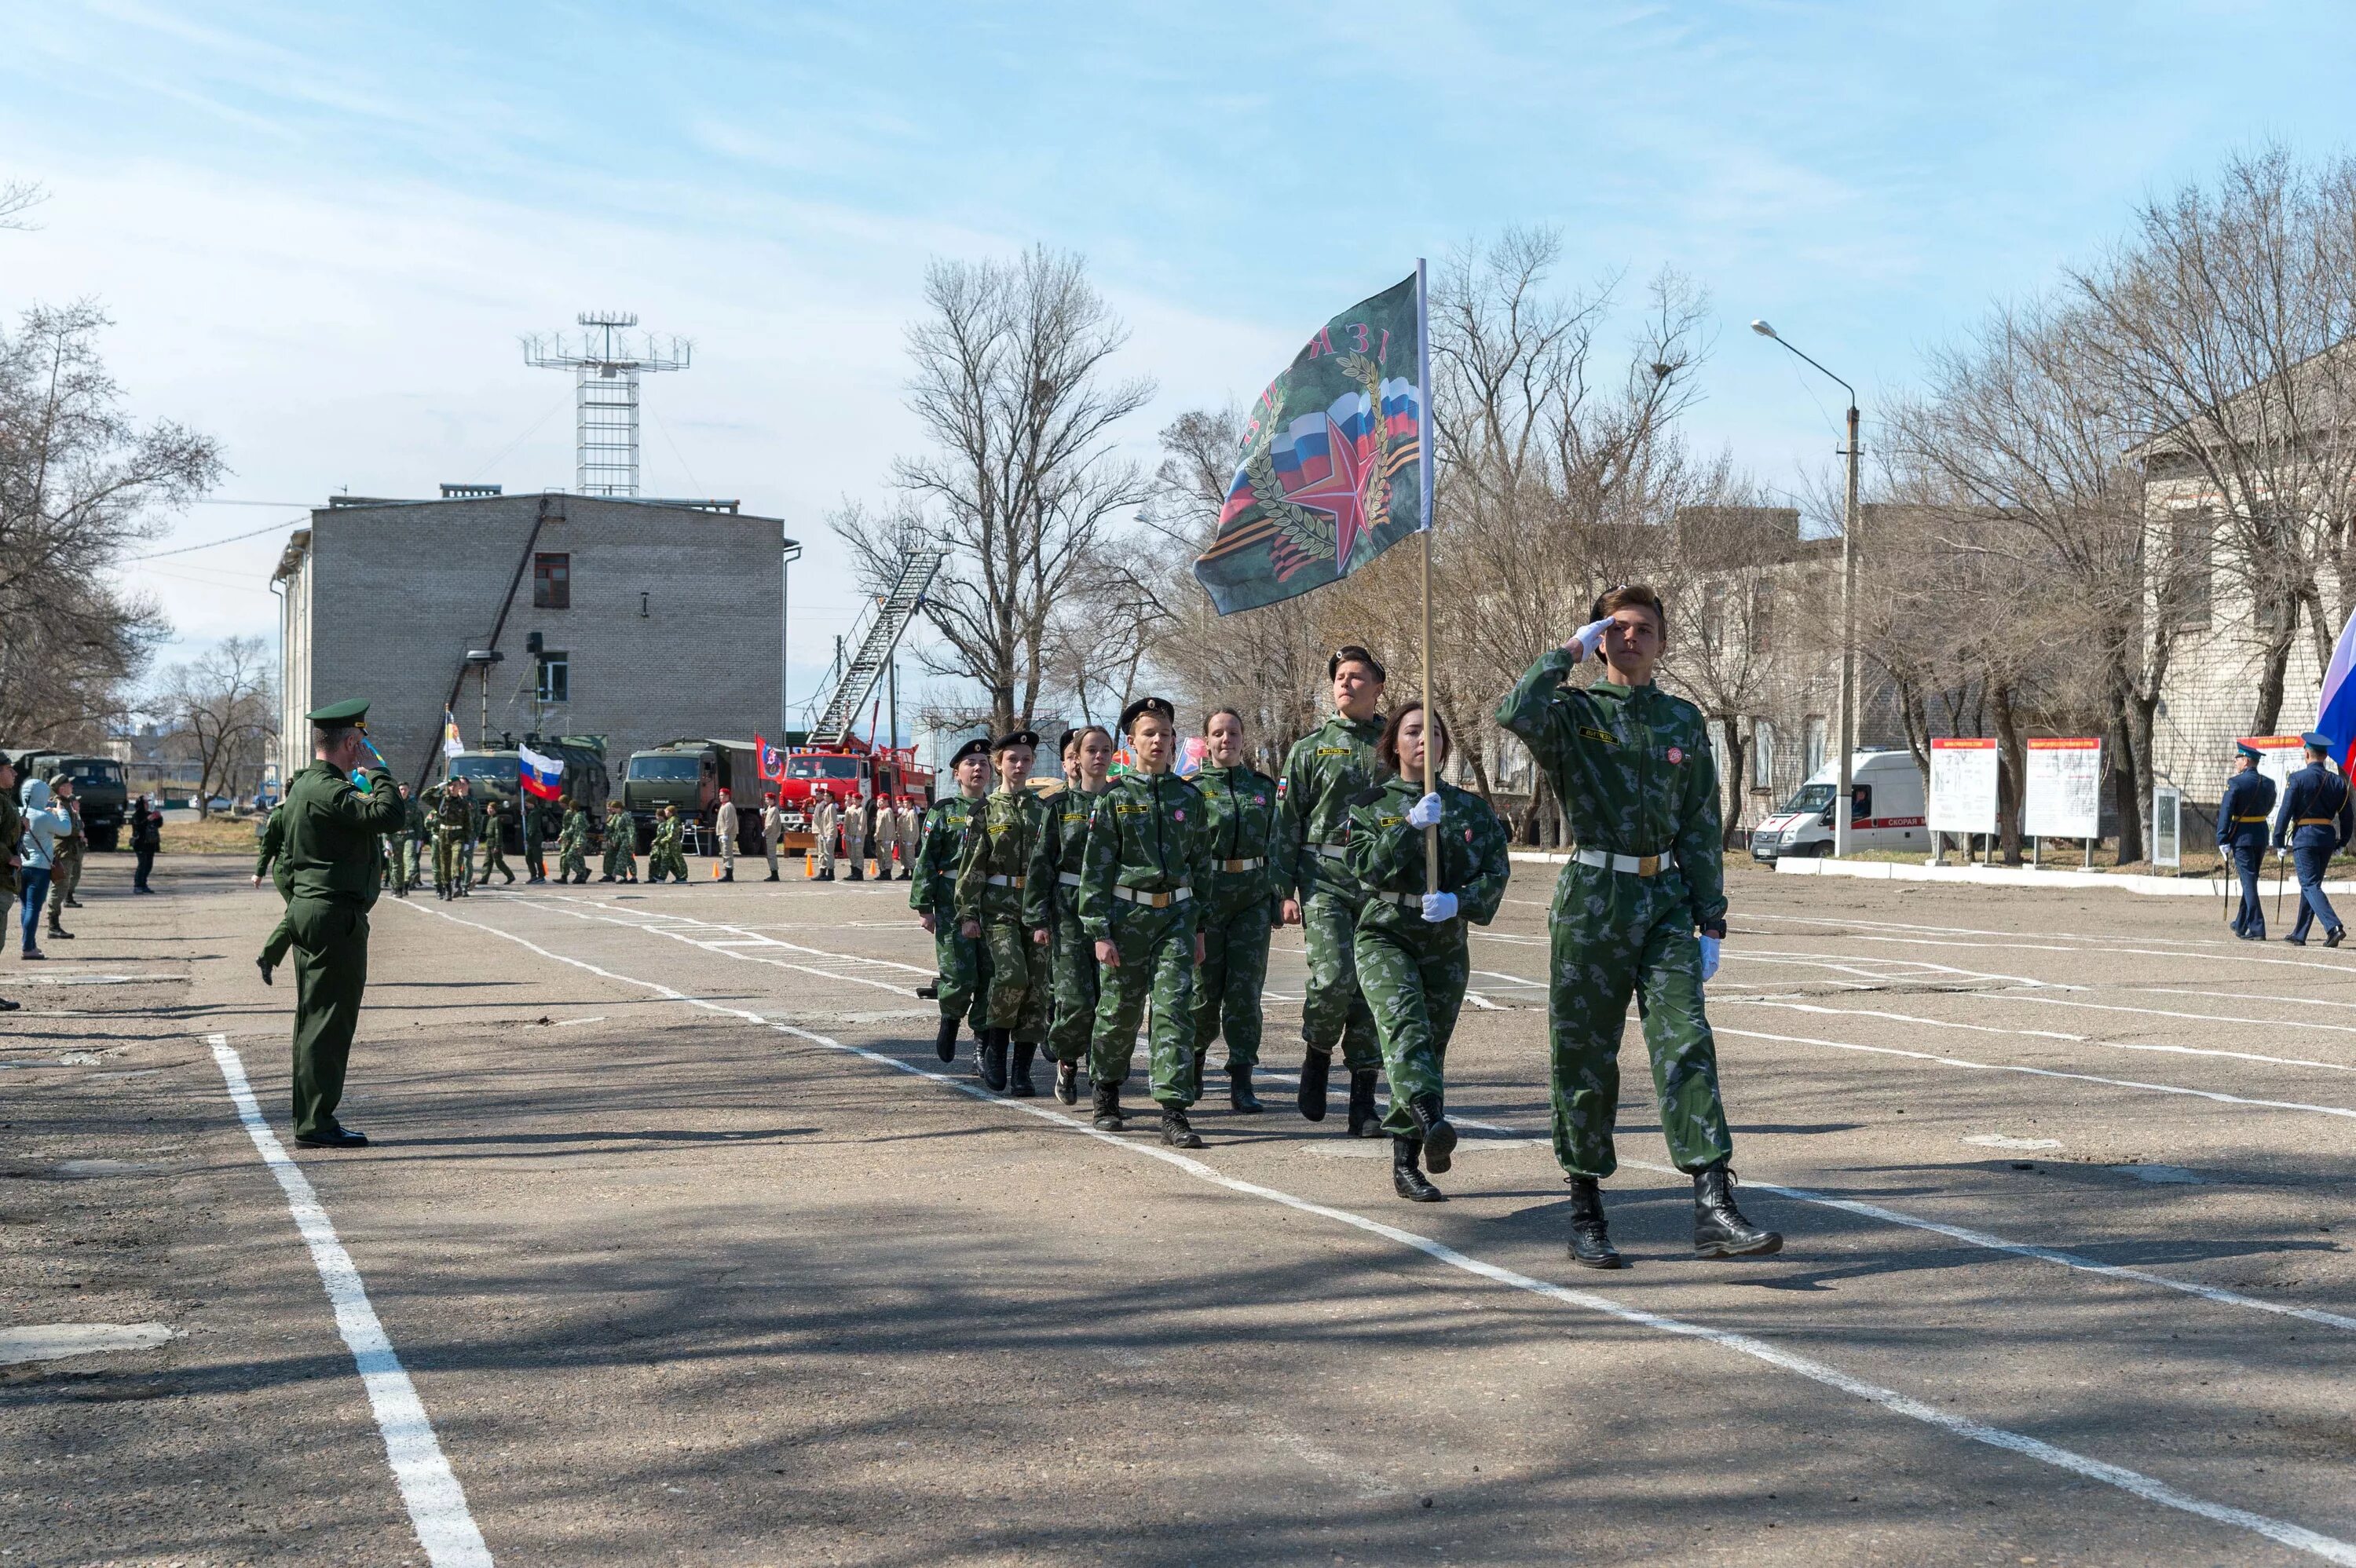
(2201, 1018)
(2133, 1482)
(722, 949)
(436, 1503)
(2237, 996)
(2245, 956)
(1893, 1018)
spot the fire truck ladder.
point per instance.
(885, 625)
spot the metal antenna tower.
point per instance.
(607, 372)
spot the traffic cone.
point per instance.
(809, 863)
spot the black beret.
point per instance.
(1353, 653)
(1065, 743)
(977, 747)
(1016, 738)
(1143, 705)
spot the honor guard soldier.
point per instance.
(1239, 909)
(854, 839)
(1323, 771)
(724, 829)
(1147, 858)
(454, 826)
(2318, 819)
(1077, 992)
(539, 825)
(1001, 902)
(2242, 818)
(886, 836)
(957, 959)
(1641, 907)
(573, 844)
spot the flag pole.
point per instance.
(1425, 454)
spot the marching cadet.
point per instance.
(1089, 749)
(621, 863)
(957, 960)
(664, 857)
(773, 828)
(854, 840)
(1147, 858)
(1239, 810)
(495, 813)
(537, 819)
(2242, 837)
(1324, 770)
(453, 821)
(270, 862)
(1413, 957)
(825, 817)
(1001, 902)
(401, 845)
(912, 835)
(573, 843)
(1630, 765)
(2318, 819)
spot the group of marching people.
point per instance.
(1069, 921)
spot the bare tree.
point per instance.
(223, 707)
(17, 197)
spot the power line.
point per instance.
(183, 550)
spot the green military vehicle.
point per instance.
(97, 787)
(496, 773)
(690, 775)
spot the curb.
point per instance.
(2021, 877)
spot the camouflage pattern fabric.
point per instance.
(1240, 806)
(621, 845)
(454, 822)
(1323, 771)
(1073, 956)
(1157, 967)
(573, 845)
(1633, 772)
(1146, 840)
(959, 962)
(1008, 840)
(664, 856)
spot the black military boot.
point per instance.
(852, 875)
(1590, 1241)
(1018, 1077)
(1177, 1131)
(729, 875)
(1239, 1090)
(605, 876)
(1365, 1121)
(1315, 1065)
(945, 1042)
(1719, 1229)
(991, 1059)
(1438, 1136)
(1405, 1179)
(1067, 1083)
(1107, 1108)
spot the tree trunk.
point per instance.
(1730, 786)
(2271, 672)
(2124, 794)
(2012, 769)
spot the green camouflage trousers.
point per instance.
(961, 965)
(621, 842)
(1413, 977)
(397, 861)
(571, 862)
(666, 861)
(1075, 990)
(1333, 1009)
(1229, 982)
(1157, 964)
(1615, 935)
(1021, 977)
(453, 866)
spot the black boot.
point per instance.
(945, 1042)
(1176, 1130)
(1018, 1079)
(1405, 1179)
(853, 875)
(1067, 1083)
(1108, 1107)
(1315, 1065)
(1239, 1090)
(991, 1060)
(1590, 1241)
(729, 875)
(1719, 1229)
(1201, 1056)
(1439, 1137)
(1365, 1121)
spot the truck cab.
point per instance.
(496, 773)
(1886, 810)
(98, 789)
(690, 775)
(856, 778)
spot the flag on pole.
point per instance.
(771, 761)
(1332, 471)
(2335, 709)
(543, 777)
(451, 744)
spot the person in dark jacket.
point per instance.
(12, 825)
(2318, 819)
(2242, 837)
(146, 837)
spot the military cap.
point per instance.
(2245, 748)
(2316, 739)
(977, 747)
(340, 713)
(1144, 705)
(1065, 743)
(1354, 653)
(1016, 738)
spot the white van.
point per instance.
(1888, 814)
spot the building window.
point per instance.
(551, 583)
(2189, 583)
(1762, 615)
(555, 677)
(1762, 754)
(1813, 743)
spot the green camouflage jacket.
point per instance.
(1008, 839)
(1240, 809)
(1147, 834)
(1068, 815)
(932, 888)
(1387, 855)
(1323, 772)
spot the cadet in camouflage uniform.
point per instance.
(1412, 957)
(536, 814)
(454, 822)
(573, 845)
(1239, 909)
(1087, 752)
(1326, 769)
(959, 963)
(664, 857)
(495, 813)
(400, 847)
(1632, 766)
(1001, 902)
(1147, 856)
(621, 845)
(268, 862)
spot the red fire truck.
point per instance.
(854, 775)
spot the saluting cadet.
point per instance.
(621, 863)
(2317, 818)
(1001, 902)
(1413, 952)
(573, 844)
(1239, 809)
(1089, 752)
(1147, 858)
(495, 840)
(454, 822)
(957, 960)
(270, 862)
(2242, 837)
(1323, 772)
(1630, 765)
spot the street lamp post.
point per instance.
(793, 552)
(1848, 604)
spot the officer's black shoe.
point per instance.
(991, 1059)
(1177, 1131)
(1405, 1179)
(1018, 1076)
(1315, 1065)
(1438, 1136)
(1239, 1090)
(61, 934)
(1365, 1121)
(2331, 938)
(336, 1136)
(1067, 1083)
(1719, 1229)
(264, 965)
(2295, 941)
(1590, 1239)
(945, 1042)
(1108, 1107)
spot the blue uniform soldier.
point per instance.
(2318, 819)
(2242, 837)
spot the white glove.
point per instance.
(1709, 957)
(1589, 637)
(1424, 813)
(1439, 907)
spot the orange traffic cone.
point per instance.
(809, 863)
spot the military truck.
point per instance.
(495, 772)
(690, 775)
(98, 785)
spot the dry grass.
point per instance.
(218, 835)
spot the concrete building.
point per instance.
(638, 620)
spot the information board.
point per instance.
(2279, 756)
(1963, 786)
(2064, 797)
(2166, 826)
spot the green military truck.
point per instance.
(97, 787)
(496, 773)
(690, 775)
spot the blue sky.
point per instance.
(321, 228)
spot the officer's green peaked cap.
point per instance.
(352, 712)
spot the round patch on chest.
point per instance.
(1179, 815)
(1676, 755)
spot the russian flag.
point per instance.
(539, 775)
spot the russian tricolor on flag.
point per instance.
(2335, 709)
(539, 775)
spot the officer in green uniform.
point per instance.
(270, 862)
(621, 863)
(495, 813)
(959, 963)
(454, 823)
(1089, 758)
(539, 820)
(573, 845)
(332, 872)
(1630, 765)
(1413, 957)
(1001, 902)
(1239, 909)
(1324, 770)
(1148, 858)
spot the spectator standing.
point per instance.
(65, 870)
(12, 827)
(146, 837)
(724, 829)
(38, 846)
(772, 827)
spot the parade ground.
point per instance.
(677, 1245)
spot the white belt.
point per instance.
(1331, 851)
(1069, 878)
(1007, 881)
(1154, 901)
(1252, 863)
(1634, 865)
